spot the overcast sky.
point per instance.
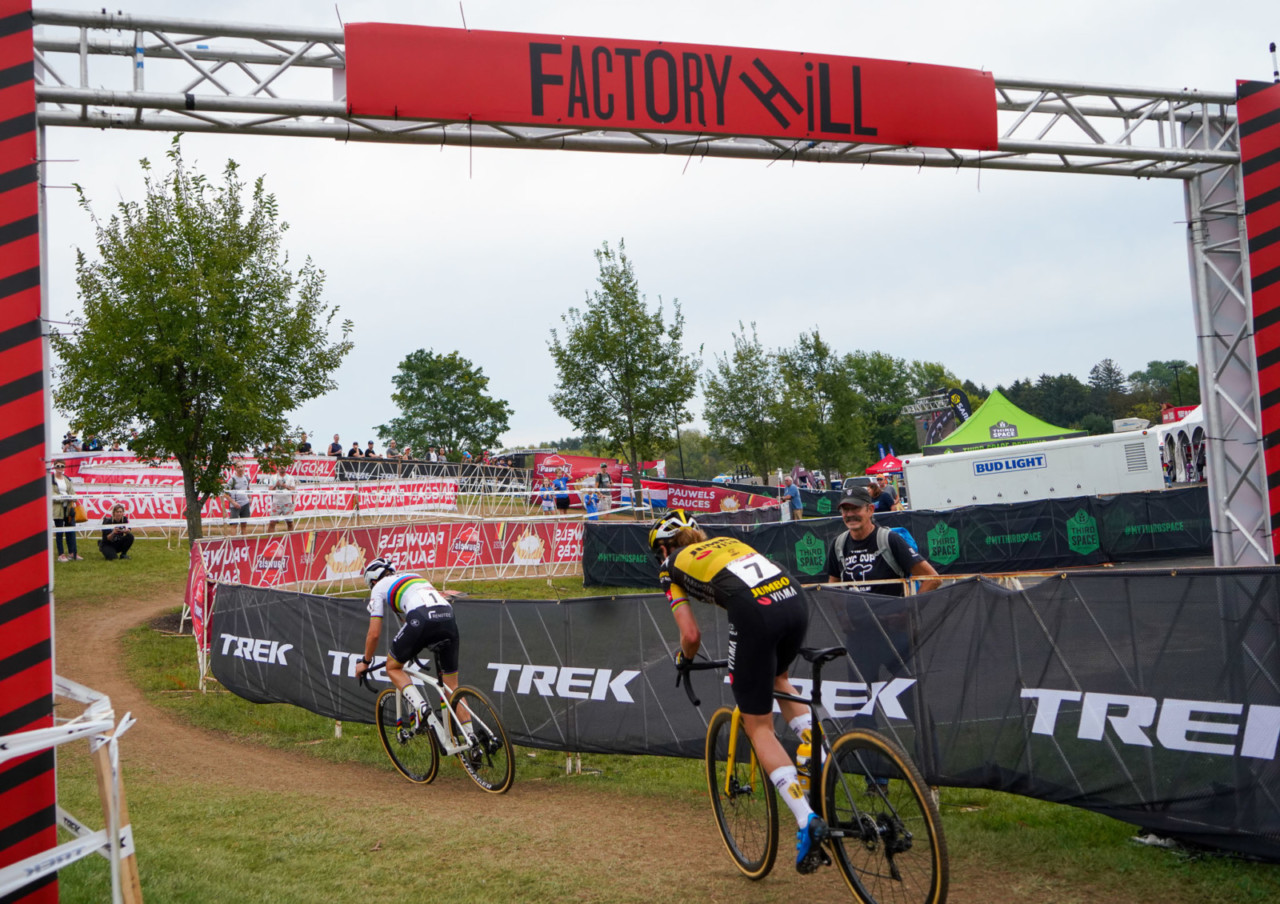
(997, 275)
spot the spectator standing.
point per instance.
(407, 454)
(133, 438)
(392, 451)
(284, 490)
(791, 497)
(605, 485)
(335, 447)
(883, 496)
(561, 487)
(64, 512)
(370, 452)
(862, 553)
(354, 451)
(304, 447)
(236, 493)
(117, 536)
(547, 496)
(92, 443)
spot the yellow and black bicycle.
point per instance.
(886, 834)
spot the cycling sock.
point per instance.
(784, 779)
(802, 725)
(414, 696)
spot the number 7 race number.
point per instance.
(753, 569)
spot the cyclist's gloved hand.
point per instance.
(682, 661)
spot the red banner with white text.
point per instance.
(337, 555)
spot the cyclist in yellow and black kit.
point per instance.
(768, 617)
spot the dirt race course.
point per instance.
(587, 842)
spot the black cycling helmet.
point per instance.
(378, 569)
(666, 527)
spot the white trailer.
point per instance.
(1082, 466)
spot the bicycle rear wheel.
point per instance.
(416, 753)
(886, 833)
(746, 810)
(490, 761)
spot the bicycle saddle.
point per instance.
(818, 657)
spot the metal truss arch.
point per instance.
(164, 74)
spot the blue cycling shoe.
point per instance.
(809, 840)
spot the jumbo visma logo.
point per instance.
(944, 544)
(811, 554)
(1082, 533)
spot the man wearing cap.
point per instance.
(863, 553)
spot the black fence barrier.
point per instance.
(1150, 697)
(1021, 536)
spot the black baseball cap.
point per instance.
(856, 496)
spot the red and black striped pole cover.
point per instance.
(1258, 112)
(27, 815)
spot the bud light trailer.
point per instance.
(1081, 466)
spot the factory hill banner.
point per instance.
(1152, 698)
(457, 75)
(1021, 536)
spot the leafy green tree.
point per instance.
(1063, 400)
(1174, 382)
(443, 401)
(194, 328)
(744, 403)
(885, 382)
(701, 457)
(1109, 389)
(823, 415)
(623, 373)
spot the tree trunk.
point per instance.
(195, 527)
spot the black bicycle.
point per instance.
(886, 834)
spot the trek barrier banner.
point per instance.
(1023, 536)
(461, 75)
(1152, 698)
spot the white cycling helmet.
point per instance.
(378, 569)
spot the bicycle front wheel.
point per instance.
(415, 752)
(489, 760)
(886, 833)
(742, 798)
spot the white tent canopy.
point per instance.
(1182, 443)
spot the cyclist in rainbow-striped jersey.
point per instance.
(426, 616)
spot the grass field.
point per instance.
(200, 842)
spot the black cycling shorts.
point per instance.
(763, 642)
(422, 627)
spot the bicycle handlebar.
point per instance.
(373, 667)
(684, 668)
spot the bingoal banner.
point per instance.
(460, 75)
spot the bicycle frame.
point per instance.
(817, 740)
(448, 746)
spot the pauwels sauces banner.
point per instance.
(697, 498)
(340, 555)
(416, 72)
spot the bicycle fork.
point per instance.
(731, 772)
